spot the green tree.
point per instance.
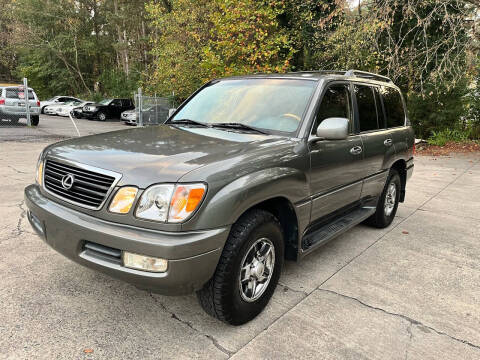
(201, 40)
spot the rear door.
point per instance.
(395, 118)
(374, 139)
(335, 174)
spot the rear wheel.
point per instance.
(248, 270)
(34, 120)
(388, 203)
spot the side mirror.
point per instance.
(171, 111)
(333, 129)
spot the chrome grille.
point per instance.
(89, 188)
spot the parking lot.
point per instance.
(408, 291)
(55, 128)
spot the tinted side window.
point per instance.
(116, 102)
(380, 114)
(366, 108)
(335, 103)
(393, 107)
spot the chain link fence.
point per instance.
(151, 110)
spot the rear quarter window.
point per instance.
(393, 104)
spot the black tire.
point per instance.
(102, 116)
(34, 120)
(221, 295)
(42, 110)
(380, 219)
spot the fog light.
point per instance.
(144, 263)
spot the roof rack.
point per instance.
(367, 75)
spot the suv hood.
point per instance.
(163, 153)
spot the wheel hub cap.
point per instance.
(390, 199)
(256, 269)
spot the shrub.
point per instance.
(442, 137)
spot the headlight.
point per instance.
(154, 203)
(170, 203)
(39, 174)
(123, 200)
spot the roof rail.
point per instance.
(367, 75)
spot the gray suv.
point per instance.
(13, 104)
(247, 172)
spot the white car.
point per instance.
(56, 100)
(49, 110)
(65, 110)
(129, 117)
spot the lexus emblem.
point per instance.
(67, 181)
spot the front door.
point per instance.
(335, 174)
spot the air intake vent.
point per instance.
(102, 252)
(76, 185)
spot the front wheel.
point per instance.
(248, 270)
(388, 203)
(102, 116)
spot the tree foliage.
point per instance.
(111, 47)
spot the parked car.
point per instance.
(65, 110)
(130, 117)
(56, 100)
(13, 105)
(249, 171)
(50, 110)
(77, 112)
(107, 109)
(152, 115)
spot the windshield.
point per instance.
(277, 105)
(105, 101)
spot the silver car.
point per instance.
(13, 105)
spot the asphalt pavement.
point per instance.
(408, 291)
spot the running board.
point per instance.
(338, 226)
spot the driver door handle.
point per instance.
(356, 150)
(388, 142)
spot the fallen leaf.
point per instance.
(404, 232)
(88, 351)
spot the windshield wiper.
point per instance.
(238, 126)
(188, 122)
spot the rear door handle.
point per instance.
(356, 150)
(388, 142)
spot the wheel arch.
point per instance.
(284, 211)
(401, 167)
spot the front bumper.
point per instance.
(192, 256)
(89, 115)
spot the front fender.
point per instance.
(231, 201)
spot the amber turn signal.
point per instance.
(123, 200)
(185, 201)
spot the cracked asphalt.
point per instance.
(410, 291)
